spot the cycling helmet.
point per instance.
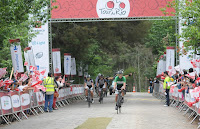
(102, 76)
(120, 72)
(88, 76)
(99, 74)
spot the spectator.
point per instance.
(151, 85)
(166, 87)
(58, 85)
(49, 95)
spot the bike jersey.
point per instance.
(120, 81)
(89, 83)
(101, 82)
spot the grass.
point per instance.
(95, 123)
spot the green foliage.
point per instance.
(17, 19)
(189, 16)
(161, 34)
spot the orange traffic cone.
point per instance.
(133, 89)
(149, 89)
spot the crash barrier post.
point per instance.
(15, 105)
(186, 99)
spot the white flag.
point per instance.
(170, 58)
(56, 61)
(73, 67)
(67, 64)
(16, 55)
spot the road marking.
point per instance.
(95, 123)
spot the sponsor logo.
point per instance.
(38, 42)
(6, 103)
(39, 55)
(113, 8)
(16, 101)
(24, 100)
(17, 61)
(15, 48)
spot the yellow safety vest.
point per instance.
(167, 79)
(49, 84)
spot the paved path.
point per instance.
(140, 111)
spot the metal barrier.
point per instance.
(17, 105)
(189, 101)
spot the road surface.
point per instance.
(140, 111)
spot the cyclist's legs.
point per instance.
(100, 91)
(116, 95)
(123, 93)
(92, 94)
(86, 92)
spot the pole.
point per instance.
(11, 73)
(139, 71)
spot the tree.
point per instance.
(17, 19)
(189, 16)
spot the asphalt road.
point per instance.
(140, 111)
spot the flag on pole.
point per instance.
(191, 75)
(2, 72)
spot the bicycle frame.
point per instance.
(89, 97)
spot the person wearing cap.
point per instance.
(89, 84)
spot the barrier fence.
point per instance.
(15, 105)
(186, 99)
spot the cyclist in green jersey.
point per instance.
(119, 84)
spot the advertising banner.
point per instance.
(56, 61)
(5, 103)
(170, 58)
(40, 98)
(16, 55)
(73, 66)
(40, 46)
(25, 100)
(67, 64)
(69, 9)
(15, 99)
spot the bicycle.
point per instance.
(119, 101)
(101, 96)
(89, 99)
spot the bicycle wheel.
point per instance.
(120, 109)
(101, 97)
(89, 99)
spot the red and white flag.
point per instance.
(1, 83)
(37, 72)
(25, 63)
(2, 72)
(191, 75)
(43, 72)
(63, 80)
(31, 68)
(15, 75)
(23, 77)
(172, 72)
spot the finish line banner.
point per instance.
(71, 9)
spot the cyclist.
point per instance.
(120, 83)
(89, 84)
(101, 84)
